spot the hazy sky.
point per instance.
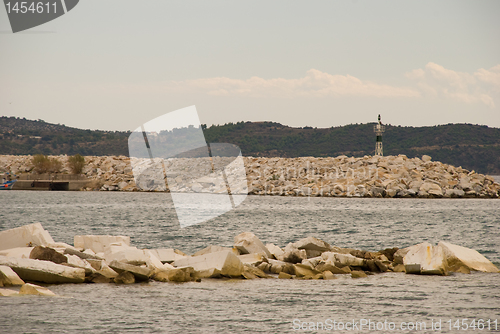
(116, 64)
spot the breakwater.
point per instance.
(342, 176)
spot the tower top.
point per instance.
(379, 118)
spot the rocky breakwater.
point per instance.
(29, 254)
(342, 176)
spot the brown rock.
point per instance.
(98, 278)
(383, 268)
(358, 274)
(328, 275)
(284, 275)
(125, 277)
(389, 253)
(400, 268)
(47, 254)
(175, 275)
(327, 266)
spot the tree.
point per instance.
(76, 163)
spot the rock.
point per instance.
(276, 251)
(185, 274)
(125, 254)
(358, 274)
(432, 189)
(82, 255)
(400, 268)
(8, 293)
(98, 278)
(225, 261)
(277, 266)
(211, 249)
(167, 255)
(462, 259)
(27, 235)
(43, 271)
(248, 243)
(125, 277)
(312, 243)
(294, 255)
(389, 253)
(75, 262)
(255, 271)
(400, 254)
(426, 158)
(254, 258)
(140, 273)
(207, 273)
(47, 254)
(342, 260)
(454, 193)
(328, 275)
(8, 277)
(19, 252)
(381, 266)
(302, 270)
(32, 289)
(431, 259)
(283, 275)
(98, 243)
(328, 266)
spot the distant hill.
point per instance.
(473, 147)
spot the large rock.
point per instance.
(27, 235)
(276, 251)
(8, 277)
(47, 254)
(462, 259)
(125, 254)
(20, 252)
(224, 261)
(8, 293)
(32, 289)
(342, 260)
(98, 243)
(211, 249)
(329, 266)
(185, 274)
(312, 243)
(140, 273)
(248, 243)
(302, 270)
(294, 255)
(430, 260)
(125, 277)
(167, 255)
(254, 258)
(43, 271)
(76, 262)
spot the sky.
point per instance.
(116, 64)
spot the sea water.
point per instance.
(389, 302)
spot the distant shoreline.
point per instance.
(342, 176)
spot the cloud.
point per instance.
(314, 84)
(435, 80)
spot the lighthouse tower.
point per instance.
(379, 129)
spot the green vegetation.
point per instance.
(76, 163)
(43, 164)
(474, 147)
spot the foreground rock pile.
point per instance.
(29, 254)
(368, 176)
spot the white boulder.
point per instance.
(8, 277)
(43, 271)
(126, 254)
(20, 252)
(32, 289)
(98, 243)
(166, 255)
(8, 293)
(276, 251)
(342, 260)
(248, 243)
(252, 258)
(312, 243)
(224, 261)
(429, 259)
(24, 236)
(459, 258)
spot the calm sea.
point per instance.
(262, 306)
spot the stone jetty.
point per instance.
(28, 259)
(342, 176)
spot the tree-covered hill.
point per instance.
(473, 147)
